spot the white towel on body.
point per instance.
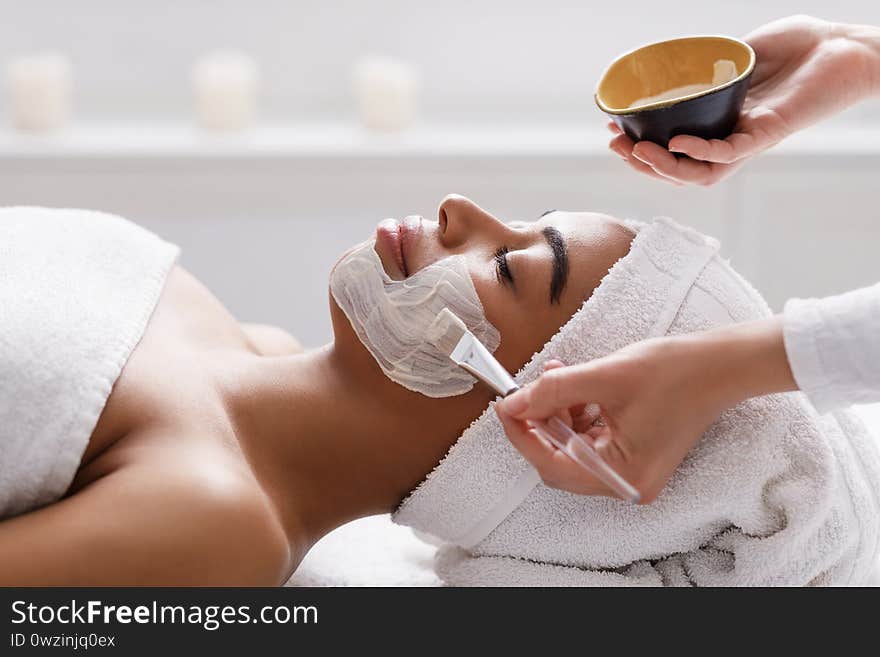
(773, 494)
(76, 291)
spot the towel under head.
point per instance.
(773, 493)
(76, 291)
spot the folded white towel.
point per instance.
(76, 291)
(773, 494)
(369, 551)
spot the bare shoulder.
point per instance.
(270, 340)
(235, 530)
(153, 523)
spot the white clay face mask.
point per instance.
(392, 317)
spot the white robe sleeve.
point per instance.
(833, 347)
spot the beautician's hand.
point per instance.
(655, 398)
(807, 70)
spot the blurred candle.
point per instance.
(39, 91)
(385, 90)
(225, 84)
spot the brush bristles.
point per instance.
(445, 331)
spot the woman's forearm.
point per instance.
(828, 348)
(867, 39)
(734, 363)
(834, 348)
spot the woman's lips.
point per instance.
(395, 240)
(389, 243)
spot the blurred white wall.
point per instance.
(491, 59)
(262, 217)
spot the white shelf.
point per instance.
(296, 140)
(150, 141)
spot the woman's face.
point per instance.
(530, 277)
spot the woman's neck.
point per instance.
(332, 439)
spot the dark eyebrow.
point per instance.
(560, 262)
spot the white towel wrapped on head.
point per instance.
(773, 494)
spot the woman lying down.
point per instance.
(146, 437)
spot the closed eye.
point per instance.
(502, 269)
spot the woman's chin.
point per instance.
(348, 251)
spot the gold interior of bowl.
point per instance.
(659, 67)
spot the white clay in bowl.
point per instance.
(724, 71)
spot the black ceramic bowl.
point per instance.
(654, 69)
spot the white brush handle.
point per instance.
(471, 355)
(564, 438)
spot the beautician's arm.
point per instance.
(657, 397)
(807, 70)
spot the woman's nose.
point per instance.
(462, 220)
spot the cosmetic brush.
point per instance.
(450, 335)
